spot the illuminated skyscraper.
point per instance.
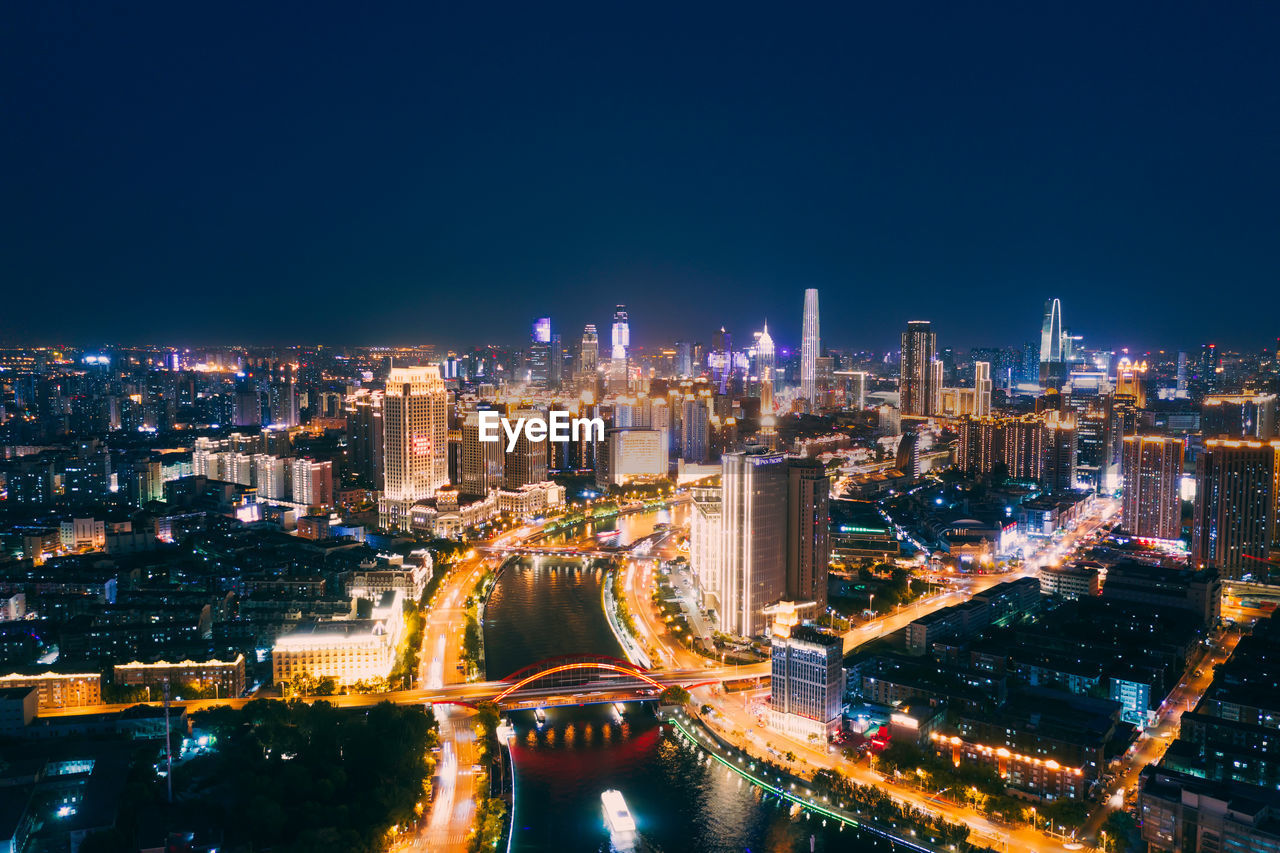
(618, 354)
(1234, 526)
(588, 357)
(810, 348)
(764, 369)
(526, 464)
(415, 444)
(1152, 479)
(1052, 339)
(481, 465)
(808, 531)
(1058, 468)
(981, 389)
(1252, 415)
(919, 344)
(753, 500)
(936, 374)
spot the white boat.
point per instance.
(540, 715)
(616, 814)
(618, 709)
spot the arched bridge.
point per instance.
(573, 672)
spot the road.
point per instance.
(1151, 745)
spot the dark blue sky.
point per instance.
(294, 172)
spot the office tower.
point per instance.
(1058, 470)
(765, 363)
(936, 373)
(1015, 445)
(415, 441)
(854, 384)
(915, 382)
(1120, 419)
(684, 358)
(1152, 486)
(1052, 356)
(695, 428)
(556, 370)
(810, 349)
(588, 356)
(807, 695)
(248, 405)
(721, 359)
(538, 357)
(618, 354)
(660, 420)
(753, 499)
(481, 468)
(1251, 415)
(889, 420)
(312, 482)
(981, 389)
(1182, 372)
(526, 464)
(283, 403)
(365, 426)
(808, 531)
(1129, 381)
(542, 330)
(1234, 525)
(631, 454)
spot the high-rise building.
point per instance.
(1234, 526)
(981, 389)
(365, 424)
(1053, 344)
(936, 375)
(538, 357)
(1015, 443)
(1129, 381)
(481, 462)
(1152, 480)
(1251, 415)
(808, 531)
(618, 354)
(631, 454)
(810, 348)
(312, 482)
(526, 464)
(807, 695)
(695, 428)
(588, 357)
(753, 566)
(415, 442)
(764, 369)
(1058, 470)
(854, 383)
(919, 343)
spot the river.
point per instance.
(546, 606)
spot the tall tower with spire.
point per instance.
(764, 365)
(810, 348)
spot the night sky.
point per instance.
(196, 173)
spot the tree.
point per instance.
(674, 696)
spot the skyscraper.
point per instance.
(481, 465)
(415, 442)
(919, 344)
(753, 500)
(1053, 344)
(618, 354)
(808, 531)
(807, 682)
(810, 348)
(588, 357)
(981, 389)
(1152, 477)
(1058, 470)
(1234, 526)
(764, 369)
(527, 463)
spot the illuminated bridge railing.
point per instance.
(571, 673)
